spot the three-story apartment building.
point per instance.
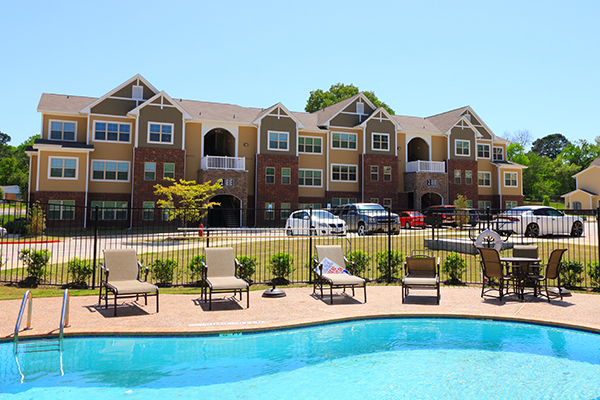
(111, 152)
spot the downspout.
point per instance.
(500, 187)
(87, 181)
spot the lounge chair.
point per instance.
(120, 275)
(493, 268)
(552, 272)
(219, 275)
(422, 271)
(344, 280)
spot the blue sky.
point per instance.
(520, 64)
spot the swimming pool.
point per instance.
(380, 358)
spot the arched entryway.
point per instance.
(227, 214)
(418, 149)
(219, 142)
(430, 199)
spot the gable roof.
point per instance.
(387, 115)
(328, 113)
(445, 121)
(416, 124)
(150, 101)
(63, 103)
(268, 111)
(88, 108)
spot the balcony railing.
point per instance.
(219, 162)
(425, 166)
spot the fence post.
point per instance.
(389, 233)
(95, 248)
(598, 231)
(310, 242)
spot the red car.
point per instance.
(409, 219)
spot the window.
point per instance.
(340, 201)
(483, 151)
(468, 177)
(510, 179)
(62, 130)
(270, 175)
(310, 177)
(278, 140)
(269, 211)
(470, 203)
(110, 210)
(160, 133)
(61, 209)
(169, 171)
(484, 179)
(110, 171)
(303, 206)
(483, 205)
(387, 174)
(498, 153)
(65, 168)
(149, 171)
(309, 145)
(510, 204)
(380, 141)
(374, 200)
(461, 147)
(343, 141)
(343, 173)
(387, 203)
(285, 210)
(457, 176)
(112, 132)
(374, 173)
(285, 176)
(148, 212)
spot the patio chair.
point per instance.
(552, 272)
(493, 268)
(120, 275)
(335, 254)
(422, 271)
(220, 275)
(532, 270)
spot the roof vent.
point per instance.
(137, 92)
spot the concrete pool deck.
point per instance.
(187, 314)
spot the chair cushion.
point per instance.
(133, 287)
(420, 281)
(343, 279)
(227, 283)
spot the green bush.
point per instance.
(80, 271)
(247, 267)
(570, 273)
(163, 271)
(389, 263)
(19, 226)
(454, 265)
(36, 261)
(594, 273)
(196, 268)
(546, 201)
(280, 265)
(361, 261)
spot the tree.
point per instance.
(189, 197)
(550, 145)
(581, 153)
(320, 99)
(521, 136)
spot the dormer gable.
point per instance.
(278, 111)
(349, 112)
(124, 98)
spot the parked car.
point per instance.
(2, 233)
(537, 221)
(408, 219)
(446, 215)
(368, 218)
(322, 223)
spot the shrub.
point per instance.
(594, 273)
(80, 271)
(389, 263)
(454, 265)
(361, 261)
(37, 220)
(36, 261)
(280, 265)
(246, 268)
(460, 216)
(195, 266)
(546, 201)
(163, 271)
(570, 273)
(18, 226)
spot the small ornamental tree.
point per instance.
(280, 265)
(37, 220)
(190, 198)
(461, 215)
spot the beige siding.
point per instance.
(316, 161)
(248, 135)
(588, 180)
(101, 143)
(438, 148)
(509, 190)
(401, 138)
(193, 150)
(62, 185)
(81, 126)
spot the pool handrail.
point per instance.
(27, 298)
(64, 316)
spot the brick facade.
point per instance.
(144, 189)
(470, 191)
(276, 192)
(421, 183)
(379, 189)
(78, 197)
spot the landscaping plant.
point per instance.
(454, 265)
(594, 273)
(80, 271)
(361, 261)
(280, 265)
(36, 261)
(570, 273)
(163, 271)
(246, 267)
(389, 263)
(196, 267)
(37, 220)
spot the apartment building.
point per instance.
(111, 152)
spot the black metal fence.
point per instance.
(67, 237)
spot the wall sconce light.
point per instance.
(245, 144)
(398, 148)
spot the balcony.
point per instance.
(426, 166)
(223, 163)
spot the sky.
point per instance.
(521, 65)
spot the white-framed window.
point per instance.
(483, 150)
(112, 132)
(63, 130)
(309, 144)
(346, 141)
(387, 174)
(462, 147)
(374, 173)
(285, 210)
(160, 133)
(510, 204)
(387, 203)
(498, 153)
(510, 179)
(286, 176)
(343, 173)
(380, 141)
(310, 177)
(484, 178)
(61, 209)
(374, 200)
(278, 140)
(269, 211)
(106, 170)
(110, 210)
(169, 170)
(149, 171)
(484, 204)
(457, 176)
(148, 211)
(270, 175)
(338, 201)
(63, 168)
(468, 177)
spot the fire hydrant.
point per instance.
(201, 229)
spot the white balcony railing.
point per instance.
(228, 163)
(425, 166)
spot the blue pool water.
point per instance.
(370, 359)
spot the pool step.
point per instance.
(38, 346)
